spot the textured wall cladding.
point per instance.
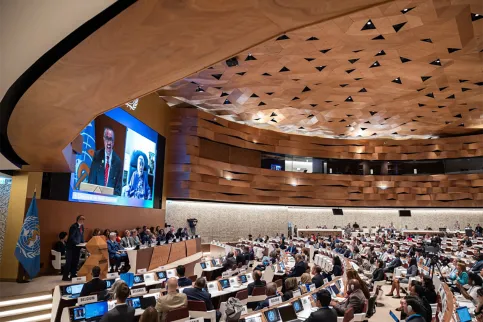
(4, 198)
(229, 222)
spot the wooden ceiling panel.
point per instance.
(405, 69)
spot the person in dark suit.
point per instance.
(230, 262)
(196, 293)
(121, 312)
(396, 262)
(257, 282)
(324, 313)
(182, 280)
(106, 167)
(115, 250)
(292, 249)
(299, 267)
(72, 252)
(239, 257)
(318, 280)
(95, 285)
(378, 274)
(60, 244)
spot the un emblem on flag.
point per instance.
(29, 241)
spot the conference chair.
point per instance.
(258, 294)
(348, 316)
(178, 315)
(359, 317)
(57, 261)
(197, 309)
(242, 296)
(193, 278)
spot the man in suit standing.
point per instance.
(95, 285)
(197, 293)
(106, 167)
(72, 252)
(324, 313)
(121, 312)
(172, 300)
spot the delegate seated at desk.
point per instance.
(115, 250)
(172, 300)
(197, 293)
(299, 267)
(96, 285)
(121, 312)
(324, 313)
(257, 282)
(355, 301)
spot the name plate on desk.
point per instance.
(112, 275)
(274, 301)
(212, 287)
(138, 291)
(225, 274)
(195, 320)
(243, 270)
(296, 293)
(141, 271)
(87, 299)
(244, 310)
(79, 279)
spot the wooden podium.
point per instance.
(97, 248)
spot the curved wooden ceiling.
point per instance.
(405, 69)
(149, 45)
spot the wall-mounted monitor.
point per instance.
(337, 212)
(404, 213)
(118, 162)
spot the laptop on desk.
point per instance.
(287, 313)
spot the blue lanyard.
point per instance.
(412, 317)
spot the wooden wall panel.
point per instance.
(178, 251)
(194, 177)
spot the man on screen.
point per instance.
(106, 167)
(138, 185)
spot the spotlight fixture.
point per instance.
(232, 62)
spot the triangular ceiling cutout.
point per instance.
(357, 79)
(325, 51)
(313, 105)
(349, 99)
(257, 119)
(352, 61)
(436, 62)
(368, 25)
(375, 64)
(363, 128)
(284, 69)
(398, 26)
(306, 89)
(421, 104)
(226, 102)
(358, 50)
(367, 122)
(406, 10)
(380, 37)
(363, 90)
(397, 80)
(301, 128)
(283, 37)
(310, 115)
(320, 68)
(430, 95)
(450, 97)
(342, 121)
(425, 78)
(479, 83)
(381, 53)
(349, 71)
(261, 104)
(250, 57)
(269, 93)
(420, 89)
(463, 80)
(199, 89)
(452, 50)
(309, 59)
(274, 120)
(458, 116)
(241, 73)
(343, 85)
(472, 109)
(373, 113)
(273, 114)
(441, 106)
(312, 38)
(295, 98)
(254, 95)
(217, 76)
(476, 16)
(427, 40)
(443, 88)
(404, 60)
(223, 94)
(266, 74)
(464, 89)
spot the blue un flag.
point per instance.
(83, 161)
(28, 244)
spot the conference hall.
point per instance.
(254, 161)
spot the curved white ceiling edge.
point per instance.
(28, 29)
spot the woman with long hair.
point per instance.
(290, 286)
(352, 274)
(305, 279)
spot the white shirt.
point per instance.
(105, 162)
(472, 292)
